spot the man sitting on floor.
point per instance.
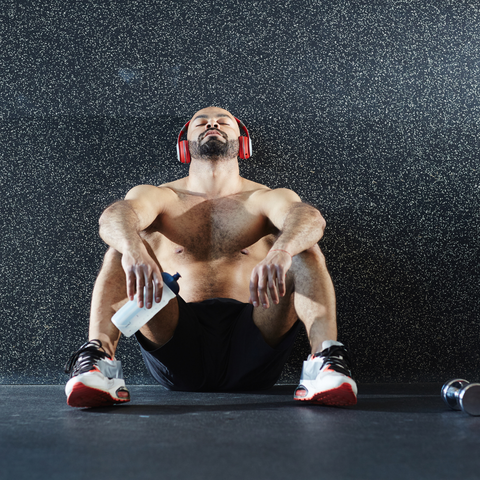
(250, 268)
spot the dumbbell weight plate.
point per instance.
(469, 399)
(450, 392)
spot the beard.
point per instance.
(214, 149)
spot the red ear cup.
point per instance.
(245, 144)
(183, 153)
(244, 150)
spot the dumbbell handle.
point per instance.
(450, 392)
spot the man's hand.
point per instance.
(142, 271)
(270, 273)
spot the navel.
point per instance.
(244, 251)
(179, 250)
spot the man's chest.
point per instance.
(213, 227)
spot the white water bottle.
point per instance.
(130, 318)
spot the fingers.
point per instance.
(149, 283)
(281, 280)
(140, 283)
(254, 300)
(148, 290)
(144, 279)
(272, 283)
(276, 282)
(267, 279)
(262, 286)
(256, 286)
(131, 284)
(158, 282)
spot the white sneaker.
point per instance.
(325, 378)
(96, 380)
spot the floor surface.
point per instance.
(394, 432)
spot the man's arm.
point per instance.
(301, 226)
(120, 227)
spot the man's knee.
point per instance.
(112, 265)
(308, 259)
(112, 256)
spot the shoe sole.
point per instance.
(82, 396)
(341, 396)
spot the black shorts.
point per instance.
(217, 347)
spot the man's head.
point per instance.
(213, 135)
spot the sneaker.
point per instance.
(96, 380)
(325, 378)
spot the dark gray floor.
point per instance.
(395, 432)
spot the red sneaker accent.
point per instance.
(86, 397)
(341, 396)
(329, 369)
(123, 394)
(301, 392)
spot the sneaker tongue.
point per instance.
(330, 343)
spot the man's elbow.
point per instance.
(104, 217)
(321, 222)
(108, 214)
(317, 218)
(102, 224)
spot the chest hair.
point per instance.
(211, 229)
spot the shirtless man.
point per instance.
(250, 268)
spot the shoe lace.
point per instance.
(85, 358)
(337, 358)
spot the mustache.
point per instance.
(202, 136)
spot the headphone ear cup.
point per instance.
(244, 147)
(183, 152)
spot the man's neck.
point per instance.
(214, 178)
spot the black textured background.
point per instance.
(369, 110)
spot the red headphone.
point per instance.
(244, 151)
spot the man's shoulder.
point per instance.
(175, 185)
(267, 200)
(250, 186)
(275, 193)
(149, 191)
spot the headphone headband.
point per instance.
(244, 150)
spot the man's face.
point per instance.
(213, 134)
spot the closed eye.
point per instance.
(205, 123)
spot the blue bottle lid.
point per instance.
(171, 281)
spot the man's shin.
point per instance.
(315, 301)
(109, 294)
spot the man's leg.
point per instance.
(311, 298)
(110, 294)
(96, 376)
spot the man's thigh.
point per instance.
(160, 329)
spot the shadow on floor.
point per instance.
(420, 398)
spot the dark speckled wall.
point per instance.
(368, 109)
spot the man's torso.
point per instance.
(213, 243)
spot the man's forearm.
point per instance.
(119, 226)
(302, 229)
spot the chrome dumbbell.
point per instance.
(462, 395)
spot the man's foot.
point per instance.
(326, 378)
(96, 380)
